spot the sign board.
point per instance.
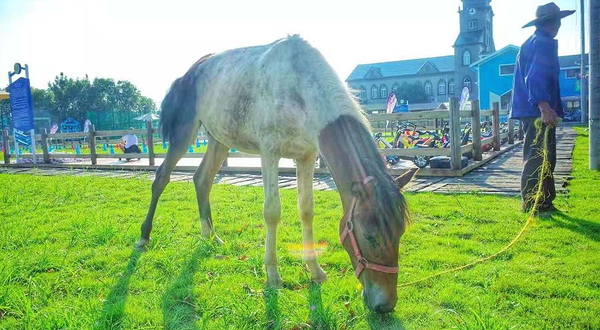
(21, 105)
(23, 138)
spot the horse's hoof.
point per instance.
(142, 245)
(274, 281)
(217, 240)
(319, 277)
(213, 238)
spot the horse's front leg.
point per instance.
(305, 171)
(272, 215)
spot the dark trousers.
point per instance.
(532, 158)
(132, 149)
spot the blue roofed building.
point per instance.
(439, 77)
(495, 74)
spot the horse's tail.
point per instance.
(178, 107)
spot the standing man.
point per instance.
(536, 94)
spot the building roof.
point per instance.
(469, 38)
(571, 60)
(427, 106)
(475, 65)
(564, 61)
(401, 68)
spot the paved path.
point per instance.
(500, 176)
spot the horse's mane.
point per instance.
(391, 204)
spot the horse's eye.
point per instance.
(371, 239)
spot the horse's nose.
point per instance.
(383, 303)
(384, 306)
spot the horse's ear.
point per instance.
(405, 178)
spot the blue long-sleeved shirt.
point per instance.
(536, 77)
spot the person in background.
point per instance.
(130, 143)
(536, 93)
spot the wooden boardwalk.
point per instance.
(502, 175)
(499, 176)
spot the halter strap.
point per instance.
(348, 232)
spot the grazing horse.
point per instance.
(284, 100)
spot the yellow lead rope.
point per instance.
(543, 171)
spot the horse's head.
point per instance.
(370, 232)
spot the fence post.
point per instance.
(6, 146)
(455, 155)
(511, 131)
(496, 125)
(92, 138)
(45, 146)
(476, 125)
(150, 142)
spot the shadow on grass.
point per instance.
(384, 322)
(112, 313)
(320, 318)
(584, 227)
(272, 314)
(179, 305)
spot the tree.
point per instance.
(70, 97)
(413, 93)
(147, 105)
(43, 100)
(77, 98)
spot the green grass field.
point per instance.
(66, 260)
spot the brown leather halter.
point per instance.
(362, 263)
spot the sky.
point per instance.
(151, 43)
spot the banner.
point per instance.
(391, 103)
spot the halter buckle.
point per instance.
(350, 225)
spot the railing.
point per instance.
(455, 118)
(454, 115)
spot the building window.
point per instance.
(467, 83)
(451, 86)
(472, 24)
(374, 92)
(572, 73)
(507, 69)
(442, 87)
(428, 88)
(383, 92)
(466, 57)
(362, 93)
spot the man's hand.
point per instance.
(549, 116)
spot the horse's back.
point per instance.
(270, 98)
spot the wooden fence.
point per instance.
(453, 115)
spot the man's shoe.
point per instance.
(548, 208)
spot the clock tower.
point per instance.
(475, 41)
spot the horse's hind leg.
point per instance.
(203, 180)
(163, 176)
(305, 171)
